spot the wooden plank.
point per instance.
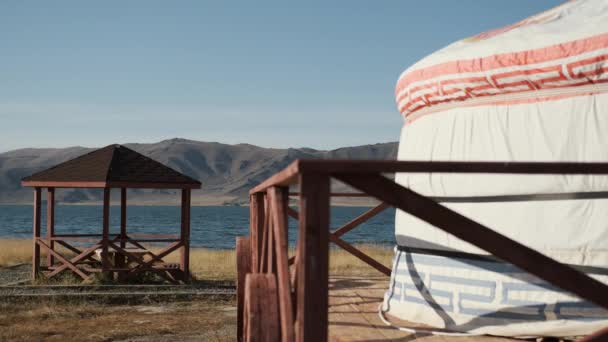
(261, 310)
(279, 199)
(256, 227)
(50, 224)
(360, 255)
(36, 234)
(243, 267)
(105, 261)
(360, 219)
(313, 258)
(480, 236)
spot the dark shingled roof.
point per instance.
(113, 165)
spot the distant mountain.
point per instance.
(226, 171)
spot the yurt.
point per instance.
(533, 91)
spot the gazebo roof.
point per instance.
(113, 166)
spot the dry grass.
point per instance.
(215, 264)
(13, 251)
(56, 321)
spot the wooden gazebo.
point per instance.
(123, 255)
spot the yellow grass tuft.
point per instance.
(14, 251)
(220, 264)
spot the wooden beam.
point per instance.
(85, 254)
(72, 249)
(120, 260)
(360, 219)
(152, 185)
(337, 194)
(278, 199)
(263, 266)
(337, 166)
(50, 224)
(271, 260)
(256, 227)
(123, 216)
(360, 255)
(145, 265)
(313, 258)
(42, 184)
(287, 176)
(63, 260)
(105, 261)
(139, 185)
(480, 236)
(185, 235)
(36, 234)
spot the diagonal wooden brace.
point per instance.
(146, 265)
(63, 260)
(480, 236)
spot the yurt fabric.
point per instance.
(533, 91)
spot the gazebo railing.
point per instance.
(114, 257)
(82, 249)
(287, 298)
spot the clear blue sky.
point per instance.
(276, 74)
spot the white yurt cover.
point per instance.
(533, 91)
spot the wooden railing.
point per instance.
(282, 298)
(79, 251)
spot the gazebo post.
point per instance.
(185, 235)
(50, 224)
(36, 235)
(120, 261)
(123, 217)
(105, 265)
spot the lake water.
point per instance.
(211, 227)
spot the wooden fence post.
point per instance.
(313, 258)
(185, 235)
(105, 264)
(36, 234)
(50, 224)
(256, 225)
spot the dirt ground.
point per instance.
(182, 321)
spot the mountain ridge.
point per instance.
(226, 171)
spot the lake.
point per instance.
(211, 227)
